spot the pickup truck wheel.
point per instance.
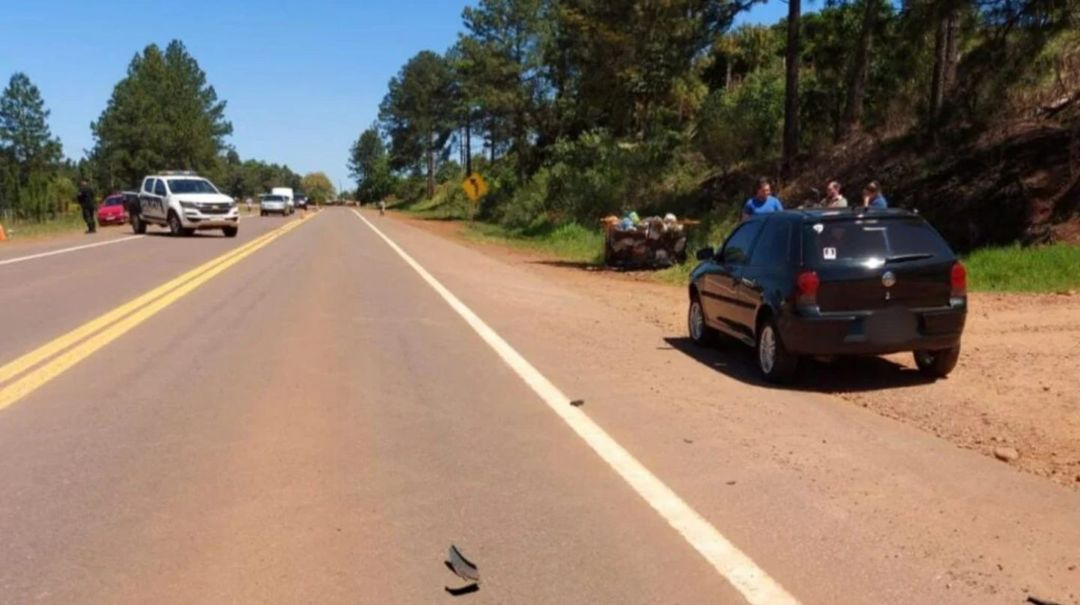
(776, 364)
(137, 224)
(937, 364)
(230, 231)
(176, 228)
(700, 333)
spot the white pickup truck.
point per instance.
(184, 202)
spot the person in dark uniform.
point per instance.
(86, 202)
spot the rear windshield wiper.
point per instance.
(900, 258)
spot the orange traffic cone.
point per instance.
(3, 235)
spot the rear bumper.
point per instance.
(112, 219)
(874, 332)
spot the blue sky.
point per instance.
(302, 79)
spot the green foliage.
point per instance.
(24, 130)
(317, 186)
(162, 115)
(30, 187)
(1014, 269)
(589, 178)
(590, 107)
(369, 164)
(743, 124)
(253, 177)
(417, 113)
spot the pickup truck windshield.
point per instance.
(889, 240)
(191, 186)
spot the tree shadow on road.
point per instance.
(843, 375)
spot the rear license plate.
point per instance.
(891, 325)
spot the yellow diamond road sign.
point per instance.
(474, 186)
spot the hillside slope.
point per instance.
(1019, 182)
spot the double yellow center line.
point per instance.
(69, 349)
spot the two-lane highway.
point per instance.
(315, 411)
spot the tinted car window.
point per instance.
(829, 242)
(159, 188)
(737, 248)
(114, 201)
(773, 246)
(148, 186)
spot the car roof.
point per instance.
(839, 214)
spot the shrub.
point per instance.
(743, 124)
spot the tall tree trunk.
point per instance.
(853, 113)
(727, 73)
(791, 90)
(952, 43)
(468, 142)
(431, 167)
(937, 83)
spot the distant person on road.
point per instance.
(872, 197)
(248, 203)
(763, 201)
(382, 207)
(833, 196)
(86, 202)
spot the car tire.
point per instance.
(230, 231)
(137, 224)
(262, 213)
(776, 364)
(176, 228)
(700, 333)
(937, 364)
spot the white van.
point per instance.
(287, 193)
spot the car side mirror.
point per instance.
(706, 253)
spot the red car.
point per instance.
(112, 211)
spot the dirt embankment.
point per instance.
(1017, 182)
(1015, 390)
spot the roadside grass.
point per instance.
(571, 242)
(64, 223)
(1053, 268)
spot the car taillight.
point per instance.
(806, 288)
(958, 280)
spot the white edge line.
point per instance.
(756, 586)
(12, 261)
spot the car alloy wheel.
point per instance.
(767, 349)
(697, 321)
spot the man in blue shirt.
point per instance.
(763, 202)
(872, 197)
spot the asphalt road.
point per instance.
(310, 413)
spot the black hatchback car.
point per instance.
(823, 283)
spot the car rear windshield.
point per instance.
(114, 201)
(885, 240)
(191, 186)
(272, 198)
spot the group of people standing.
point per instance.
(764, 202)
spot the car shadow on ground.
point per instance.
(842, 375)
(570, 264)
(166, 234)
